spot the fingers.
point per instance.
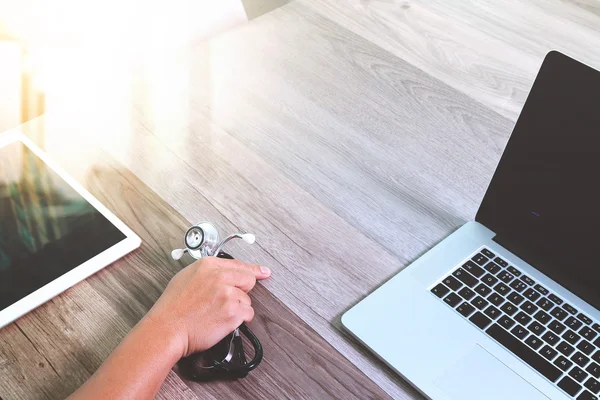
(243, 298)
(258, 271)
(241, 279)
(246, 313)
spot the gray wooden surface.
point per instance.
(51, 351)
(349, 136)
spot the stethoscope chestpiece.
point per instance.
(194, 238)
(202, 240)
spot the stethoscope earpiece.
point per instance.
(177, 253)
(248, 238)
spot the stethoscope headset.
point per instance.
(227, 359)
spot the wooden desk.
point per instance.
(350, 137)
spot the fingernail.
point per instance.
(265, 270)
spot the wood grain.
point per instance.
(348, 197)
(66, 339)
(489, 50)
(349, 136)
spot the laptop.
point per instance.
(507, 306)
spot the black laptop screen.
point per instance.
(544, 199)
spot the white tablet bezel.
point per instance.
(79, 273)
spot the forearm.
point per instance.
(137, 367)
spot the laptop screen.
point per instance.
(544, 199)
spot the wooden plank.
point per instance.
(489, 50)
(78, 329)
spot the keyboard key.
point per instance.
(596, 356)
(569, 385)
(573, 323)
(542, 317)
(528, 280)
(479, 302)
(529, 307)
(585, 395)
(495, 299)
(518, 285)
(580, 359)
(514, 271)
(578, 374)
(502, 289)
(466, 293)
(440, 290)
(588, 333)
(558, 313)
(480, 259)
(545, 304)
(565, 348)
(555, 298)
(586, 347)
(541, 289)
(515, 298)
(550, 338)
(492, 268)
(465, 277)
(596, 327)
(587, 320)
(488, 253)
(452, 282)
(465, 309)
(548, 352)
(592, 385)
(556, 327)
(522, 351)
(509, 308)
(483, 290)
(563, 363)
(571, 337)
(597, 342)
(474, 269)
(523, 318)
(570, 308)
(489, 280)
(531, 294)
(501, 262)
(480, 320)
(505, 276)
(534, 342)
(537, 328)
(506, 322)
(519, 332)
(452, 299)
(492, 312)
(594, 370)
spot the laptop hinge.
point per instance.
(518, 248)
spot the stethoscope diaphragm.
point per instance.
(194, 237)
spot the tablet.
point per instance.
(53, 233)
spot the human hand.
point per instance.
(206, 301)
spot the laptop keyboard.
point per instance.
(537, 326)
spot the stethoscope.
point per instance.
(202, 240)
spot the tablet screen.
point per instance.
(46, 227)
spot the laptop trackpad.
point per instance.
(480, 375)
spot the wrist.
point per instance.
(164, 335)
